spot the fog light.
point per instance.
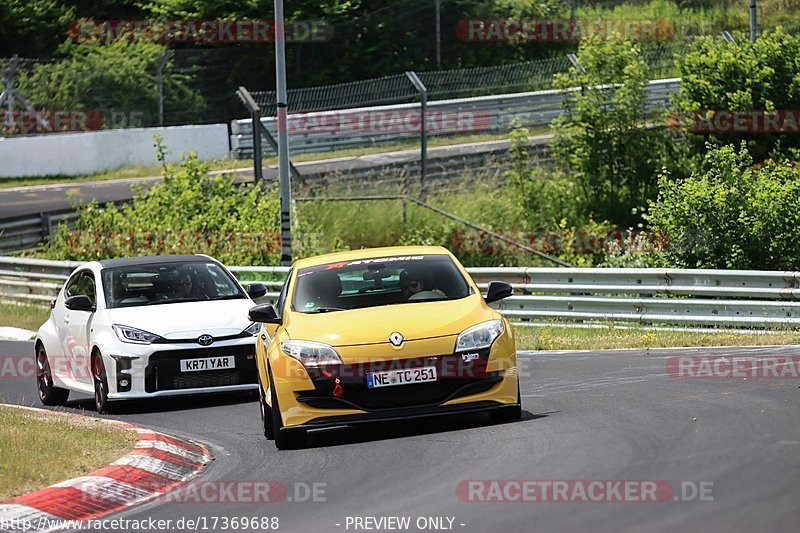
(123, 385)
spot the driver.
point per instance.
(185, 283)
(414, 288)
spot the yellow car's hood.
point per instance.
(373, 325)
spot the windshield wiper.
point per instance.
(325, 310)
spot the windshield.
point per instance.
(379, 281)
(165, 283)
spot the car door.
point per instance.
(77, 326)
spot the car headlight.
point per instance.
(479, 336)
(252, 329)
(133, 335)
(311, 354)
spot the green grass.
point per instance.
(23, 315)
(607, 338)
(38, 449)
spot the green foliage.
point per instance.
(744, 76)
(107, 77)
(731, 214)
(33, 28)
(601, 140)
(187, 212)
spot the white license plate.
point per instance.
(208, 363)
(390, 378)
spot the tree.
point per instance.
(602, 139)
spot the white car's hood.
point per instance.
(188, 319)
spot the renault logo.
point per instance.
(396, 339)
(205, 339)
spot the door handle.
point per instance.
(66, 319)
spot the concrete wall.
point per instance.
(97, 151)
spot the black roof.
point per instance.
(152, 260)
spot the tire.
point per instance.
(48, 394)
(100, 379)
(285, 438)
(508, 413)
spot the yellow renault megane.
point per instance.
(382, 334)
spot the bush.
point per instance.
(731, 214)
(743, 76)
(187, 212)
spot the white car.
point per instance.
(148, 327)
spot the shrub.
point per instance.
(743, 76)
(187, 212)
(731, 214)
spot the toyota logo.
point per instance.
(396, 339)
(205, 340)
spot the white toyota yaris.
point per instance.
(147, 327)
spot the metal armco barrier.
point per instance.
(725, 298)
(326, 131)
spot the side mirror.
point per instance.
(79, 303)
(497, 291)
(264, 313)
(256, 290)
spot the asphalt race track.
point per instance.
(612, 415)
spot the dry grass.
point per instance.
(23, 315)
(39, 449)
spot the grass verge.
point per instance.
(608, 338)
(39, 449)
(23, 315)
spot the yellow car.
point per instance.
(382, 334)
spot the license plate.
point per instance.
(208, 363)
(390, 378)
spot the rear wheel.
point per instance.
(48, 394)
(509, 412)
(285, 438)
(101, 402)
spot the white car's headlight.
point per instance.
(479, 336)
(133, 335)
(252, 329)
(311, 354)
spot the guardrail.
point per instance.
(724, 298)
(326, 131)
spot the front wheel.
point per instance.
(101, 402)
(48, 394)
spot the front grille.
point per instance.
(455, 378)
(163, 372)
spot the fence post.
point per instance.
(255, 115)
(423, 133)
(160, 83)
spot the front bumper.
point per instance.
(307, 398)
(153, 370)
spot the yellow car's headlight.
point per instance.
(311, 354)
(479, 336)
